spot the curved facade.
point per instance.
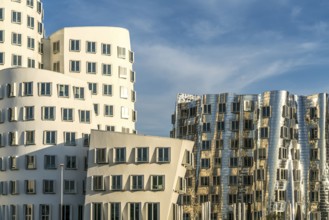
(102, 57)
(45, 122)
(21, 32)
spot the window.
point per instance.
(313, 113)
(74, 45)
(69, 186)
(67, 114)
(124, 113)
(134, 115)
(235, 107)
(123, 92)
(45, 212)
(30, 43)
(110, 128)
(85, 138)
(232, 198)
(137, 182)
(206, 127)
(283, 153)
(235, 126)
(28, 113)
(2, 36)
(30, 22)
(30, 63)
(71, 162)
(220, 125)
(248, 143)
(2, 58)
(2, 14)
(131, 56)
(93, 88)
(16, 17)
(97, 211)
(233, 180)
(314, 196)
(45, 89)
(40, 48)
(116, 182)
(50, 162)
(115, 211)
(16, 60)
(314, 133)
(157, 182)
(56, 47)
(314, 154)
(84, 116)
(101, 155)
(107, 89)
(80, 212)
(216, 180)
(133, 96)
(30, 3)
(186, 216)
(280, 195)
(132, 76)
(66, 212)
(142, 154)
(258, 195)
(30, 161)
(248, 125)
(121, 52)
(69, 138)
(27, 88)
(262, 153)
(221, 107)
(122, 72)
(13, 187)
(39, 7)
(153, 211)
(163, 155)
(266, 111)
(63, 91)
(91, 67)
(13, 138)
(28, 212)
(79, 92)
(106, 49)
(205, 145)
(91, 47)
(217, 161)
(314, 175)
(96, 109)
(106, 69)
(48, 186)
(108, 110)
(247, 180)
(205, 163)
(207, 109)
(120, 155)
(13, 114)
(98, 183)
(13, 214)
(260, 175)
(204, 180)
(30, 187)
(74, 66)
(48, 113)
(264, 133)
(234, 144)
(40, 28)
(135, 211)
(56, 66)
(29, 137)
(234, 162)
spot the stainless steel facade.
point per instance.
(256, 156)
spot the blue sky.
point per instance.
(210, 46)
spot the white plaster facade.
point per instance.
(135, 176)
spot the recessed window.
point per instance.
(30, 63)
(137, 182)
(116, 182)
(106, 69)
(45, 89)
(30, 22)
(48, 113)
(107, 89)
(96, 109)
(91, 67)
(93, 88)
(30, 187)
(121, 52)
(220, 125)
(163, 154)
(50, 137)
(206, 127)
(28, 113)
(84, 116)
(221, 108)
(50, 161)
(91, 47)
(39, 7)
(108, 110)
(2, 58)
(69, 186)
(2, 36)
(124, 112)
(133, 96)
(131, 56)
(40, 48)
(56, 47)
(27, 88)
(67, 114)
(206, 145)
(30, 3)
(235, 107)
(132, 76)
(98, 183)
(40, 28)
(2, 14)
(205, 163)
(116, 211)
(142, 155)
(74, 45)
(120, 155)
(56, 66)
(106, 49)
(13, 138)
(30, 161)
(71, 162)
(16, 60)
(16, 17)
(266, 111)
(110, 128)
(75, 66)
(123, 92)
(204, 181)
(13, 114)
(79, 92)
(28, 211)
(122, 72)
(63, 91)
(49, 186)
(264, 132)
(158, 182)
(69, 139)
(16, 39)
(101, 155)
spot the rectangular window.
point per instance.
(85, 138)
(261, 153)
(16, 17)
(96, 109)
(40, 28)
(157, 182)
(63, 91)
(132, 76)
(120, 155)
(84, 116)
(123, 92)
(30, 187)
(107, 90)
(56, 66)
(30, 161)
(153, 211)
(74, 45)
(30, 63)
(135, 211)
(13, 187)
(50, 137)
(29, 137)
(50, 162)
(248, 143)
(235, 107)
(45, 89)
(101, 155)
(56, 47)
(206, 145)
(13, 114)
(207, 109)
(13, 138)
(264, 132)
(248, 125)
(106, 69)
(221, 107)
(45, 212)
(69, 139)
(13, 163)
(121, 52)
(91, 67)
(69, 186)
(2, 58)
(30, 3)
(48, 186)
(66, 212)
(16, 60)
(122, 72)
(131, 56)
(39, 7)
(108, 110)
(124, 113)
(2, 14)
(30, 22)
(314, 133)
(106, 49)
(163, 154)
(79, 92)
(27, 88)
(116, 182)
(97, 211)
(30, 43)
(110, 128)
(142, 155)
(235, 125)
(204, 181)
(48, 113)
(2, 36)
(40, 48)
(216, 180)
(98, 183)
(71, 162)
(67, 114)
(28, 212)
(205, 163)
(137, 182)
(74, 66)
(93, 88)
(234, 162)
(266, 111)
(13, 214)
(220, 125)
(91, 47)
(115, 211)
(206, 127)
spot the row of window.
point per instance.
(136, 183)
(50, 162)
(31, 4)
(49, 137)
(142, 155)
(16, 61)
(16, 39)
(28, 211)
(48, 187)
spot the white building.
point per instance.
(135, 176)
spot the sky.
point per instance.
(210, 46)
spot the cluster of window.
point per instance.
(135, 182)
(142, 155)
(49, 138)
(134, 211)
(50, 162)
(107, 90)
(45, 211)
(213, 216)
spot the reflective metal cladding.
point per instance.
(256, 156)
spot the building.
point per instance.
(255, 155)
(135, 177)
